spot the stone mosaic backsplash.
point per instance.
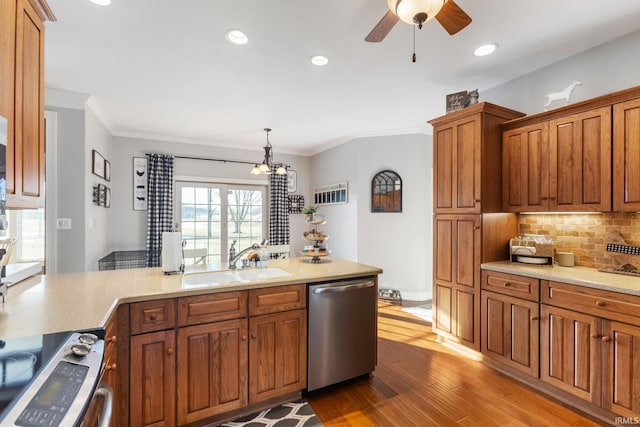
(584, 234)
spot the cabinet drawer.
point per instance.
(511, 284)
(610, 305)
(277, 298)
(212, 308)
(152, 316)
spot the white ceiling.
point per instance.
(163, 68)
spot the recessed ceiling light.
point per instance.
(237, 37)
(485, 49)
(319, 60)
(101, 2)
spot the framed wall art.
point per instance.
(386, 192)
(140, 183)
(107, 170)
(292, 181)
(331, 194)
(296, 203)
(97, 164)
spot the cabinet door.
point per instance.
(457, 277)
(25, 156)
(152, 379)
(626, 156)
(212, 369)
(510, 328)
(621, 369)
(525, 169)
(570, 352)
(277, 355)
(580, 161)
(456, 155)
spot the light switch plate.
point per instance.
(63, 223)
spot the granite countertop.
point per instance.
(582, 276)
(74, 301)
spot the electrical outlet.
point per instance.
(63, 223)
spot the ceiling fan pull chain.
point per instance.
(413, 58)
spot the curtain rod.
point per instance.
(209, 159)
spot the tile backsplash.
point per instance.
(584, 234)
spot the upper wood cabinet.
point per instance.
(626, 156)
(467, 159)
(22, 68)
(562, 164)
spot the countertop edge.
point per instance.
(571, 275)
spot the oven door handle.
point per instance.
(106, 392)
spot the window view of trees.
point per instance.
(204, 226)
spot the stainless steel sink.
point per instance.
(217, 278)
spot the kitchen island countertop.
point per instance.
(75, 301)
(582, 276)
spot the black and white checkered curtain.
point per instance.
(160, 204)
(278, 209)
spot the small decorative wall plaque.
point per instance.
(139, 183)
(331, 194)
(296, 203)
(456, 101)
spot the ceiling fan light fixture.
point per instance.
(237, 37)
(415, 11)
(319, 60)
(485, 49)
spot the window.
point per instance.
(27, 226)
(212, 215)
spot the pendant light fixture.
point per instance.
(266, 167)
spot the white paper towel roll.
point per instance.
(171, 251)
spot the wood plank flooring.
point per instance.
(419, 382)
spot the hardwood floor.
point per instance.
(419, 382)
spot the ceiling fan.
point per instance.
(447, 12)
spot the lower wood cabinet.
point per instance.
(570, 345)
(152, 379)
(212, 369)
(277, 354)
(621, 368)
(221, 353)
(510, 331)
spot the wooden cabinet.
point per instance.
(457, 277)
(621, 368)
(212, 369)
(626, 156)
(464, 144)
(510, 321)
(563, 164)
(153, 379)
(570, 352)
(277, 354)
(467, 159)
(590, 344)
(22, 70)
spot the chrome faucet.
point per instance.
(233, 257)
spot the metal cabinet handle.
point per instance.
(335, 289)
(153, 317)
(253, 336)
(534, 318)
(244, 338)
(170, 351)
(600, 303)
(507, 284)
(606, 338)
(596, 336)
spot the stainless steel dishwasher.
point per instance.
(342, 331)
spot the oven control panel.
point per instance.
(61, 392)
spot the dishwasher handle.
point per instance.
(345, 288)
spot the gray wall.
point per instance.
(70, 243)
(129, 230)
(604, 69)
(400, 243)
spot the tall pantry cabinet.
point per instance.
(468, 225)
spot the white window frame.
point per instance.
(224, 185)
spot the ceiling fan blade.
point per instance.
(452, 18)
(382, 28)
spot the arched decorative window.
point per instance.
(386, 192)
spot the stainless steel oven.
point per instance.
(54, 380)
